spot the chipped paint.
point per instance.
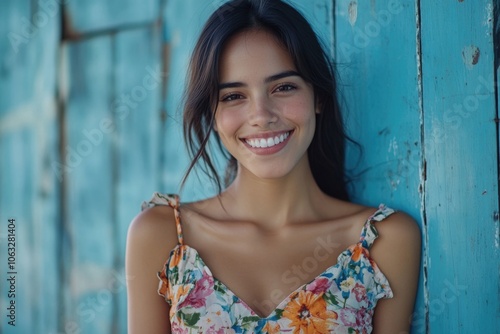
(471, 55)
(489, 17)
(353, 12)
(393, 147)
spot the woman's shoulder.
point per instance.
(392, 225)
(395, 226)
(154, 227)
(151, 236)
(394, 220)
(398, 243)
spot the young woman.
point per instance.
(280, 249)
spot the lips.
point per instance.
(265, 142)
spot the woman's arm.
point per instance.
(397, 253)
(150, 238)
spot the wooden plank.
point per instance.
(46, 219)
(90, 252)
(18, 188)
(462, 181)
(183, 21)
(376, 57)
(375, 53)
(94, 15)
(28, 144)
(14, 54)
(139, 78)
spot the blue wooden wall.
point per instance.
(90, 126)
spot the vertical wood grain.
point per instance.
(462, 177)
(139, 78)
(376, 52)
(183, 21)
(89, 270)
(28, 145)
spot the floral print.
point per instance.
(308, 313)
(342, 299)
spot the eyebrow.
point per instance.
(267, 80)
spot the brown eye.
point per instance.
(231, 97)
(285, 88)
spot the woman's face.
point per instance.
(266, 112)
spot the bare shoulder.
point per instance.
(397, 253)
(154, 228)
(398, 229)
(398, 243)
(151, 236)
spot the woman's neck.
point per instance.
(276, 202)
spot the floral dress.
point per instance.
(342, 299)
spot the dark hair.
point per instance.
(327, 150)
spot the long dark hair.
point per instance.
(327, 150)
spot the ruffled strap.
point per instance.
(172, 201)
(369, 232)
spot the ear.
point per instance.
(215, 126)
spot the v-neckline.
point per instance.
(369, 223)
(286, 299)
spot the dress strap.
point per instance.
(369, 232)
(172, 201)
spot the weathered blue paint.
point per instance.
(28, 142)
(89, 222)
(181, 30)
(15, 54)
(137, 148)
(461, 191)
(377, 59)
(96, 15)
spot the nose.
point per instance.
(262, 112)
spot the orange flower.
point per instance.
(357, 251)
(182, 290)
(271, 329)
(176, 257)
(308, 313)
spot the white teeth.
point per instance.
(269, 142)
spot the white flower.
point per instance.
(347, 284)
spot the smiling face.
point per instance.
(266, 112)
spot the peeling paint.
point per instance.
(393, 146)
(488, 21)
(471, 55)
(353, 12)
